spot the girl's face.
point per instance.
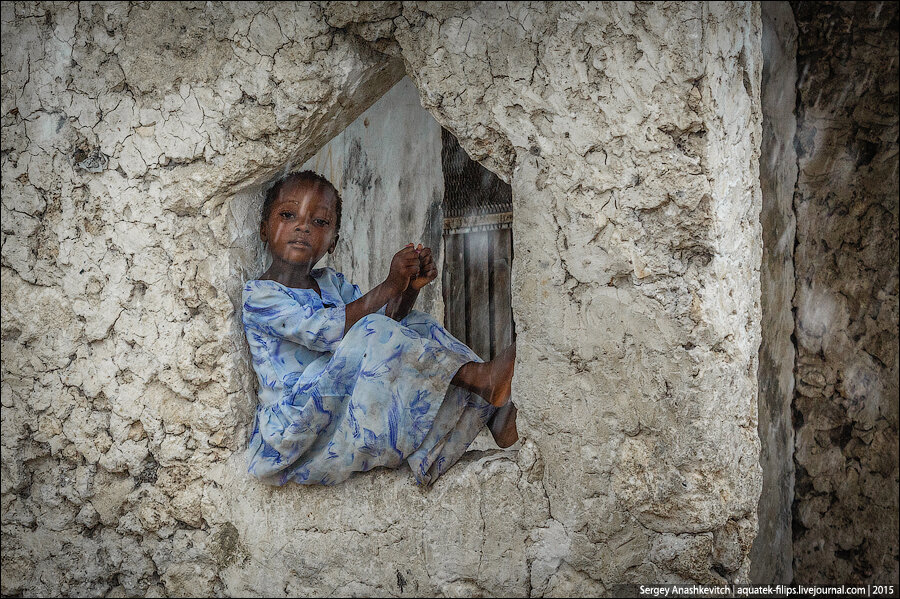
(300, 228)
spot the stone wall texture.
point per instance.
(846, 202)
(134, 136)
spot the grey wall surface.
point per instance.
(772, 555)
(387, 166)
(846, 259)
(136, 138)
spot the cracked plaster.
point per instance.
(132, 134)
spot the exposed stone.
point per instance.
(845, 412)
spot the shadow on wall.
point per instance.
(247, 259)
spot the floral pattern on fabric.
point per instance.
(332, 404)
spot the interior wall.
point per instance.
(772, 554)
(846, 259)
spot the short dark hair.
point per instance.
(298, 178)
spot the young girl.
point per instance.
(349, 382)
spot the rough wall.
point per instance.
(387, 165)
(846, 201)
(771, 556)
(133, 136)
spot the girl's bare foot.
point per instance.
(493, 381)
(503, 426)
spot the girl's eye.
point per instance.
(287, 214)
(321, 222)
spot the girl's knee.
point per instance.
(376, 320)
(377, 328)
(421, 322)
(373, 325)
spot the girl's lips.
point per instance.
(299, 243)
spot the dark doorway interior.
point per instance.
(478, 252)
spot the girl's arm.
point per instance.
(404, 266)
(400, 306)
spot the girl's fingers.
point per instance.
(407, 253)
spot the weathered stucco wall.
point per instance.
(772, 554)
(845, 411)
(133, 138)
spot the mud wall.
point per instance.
(846, 202)
(133, 136)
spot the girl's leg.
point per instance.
(503, 425)
(492, 381)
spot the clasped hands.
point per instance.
(412, 268)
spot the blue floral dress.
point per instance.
(332, 404)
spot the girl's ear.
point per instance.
(333, 244)
(262, 232)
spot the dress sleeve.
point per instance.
(349, 292)
(277, 312)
